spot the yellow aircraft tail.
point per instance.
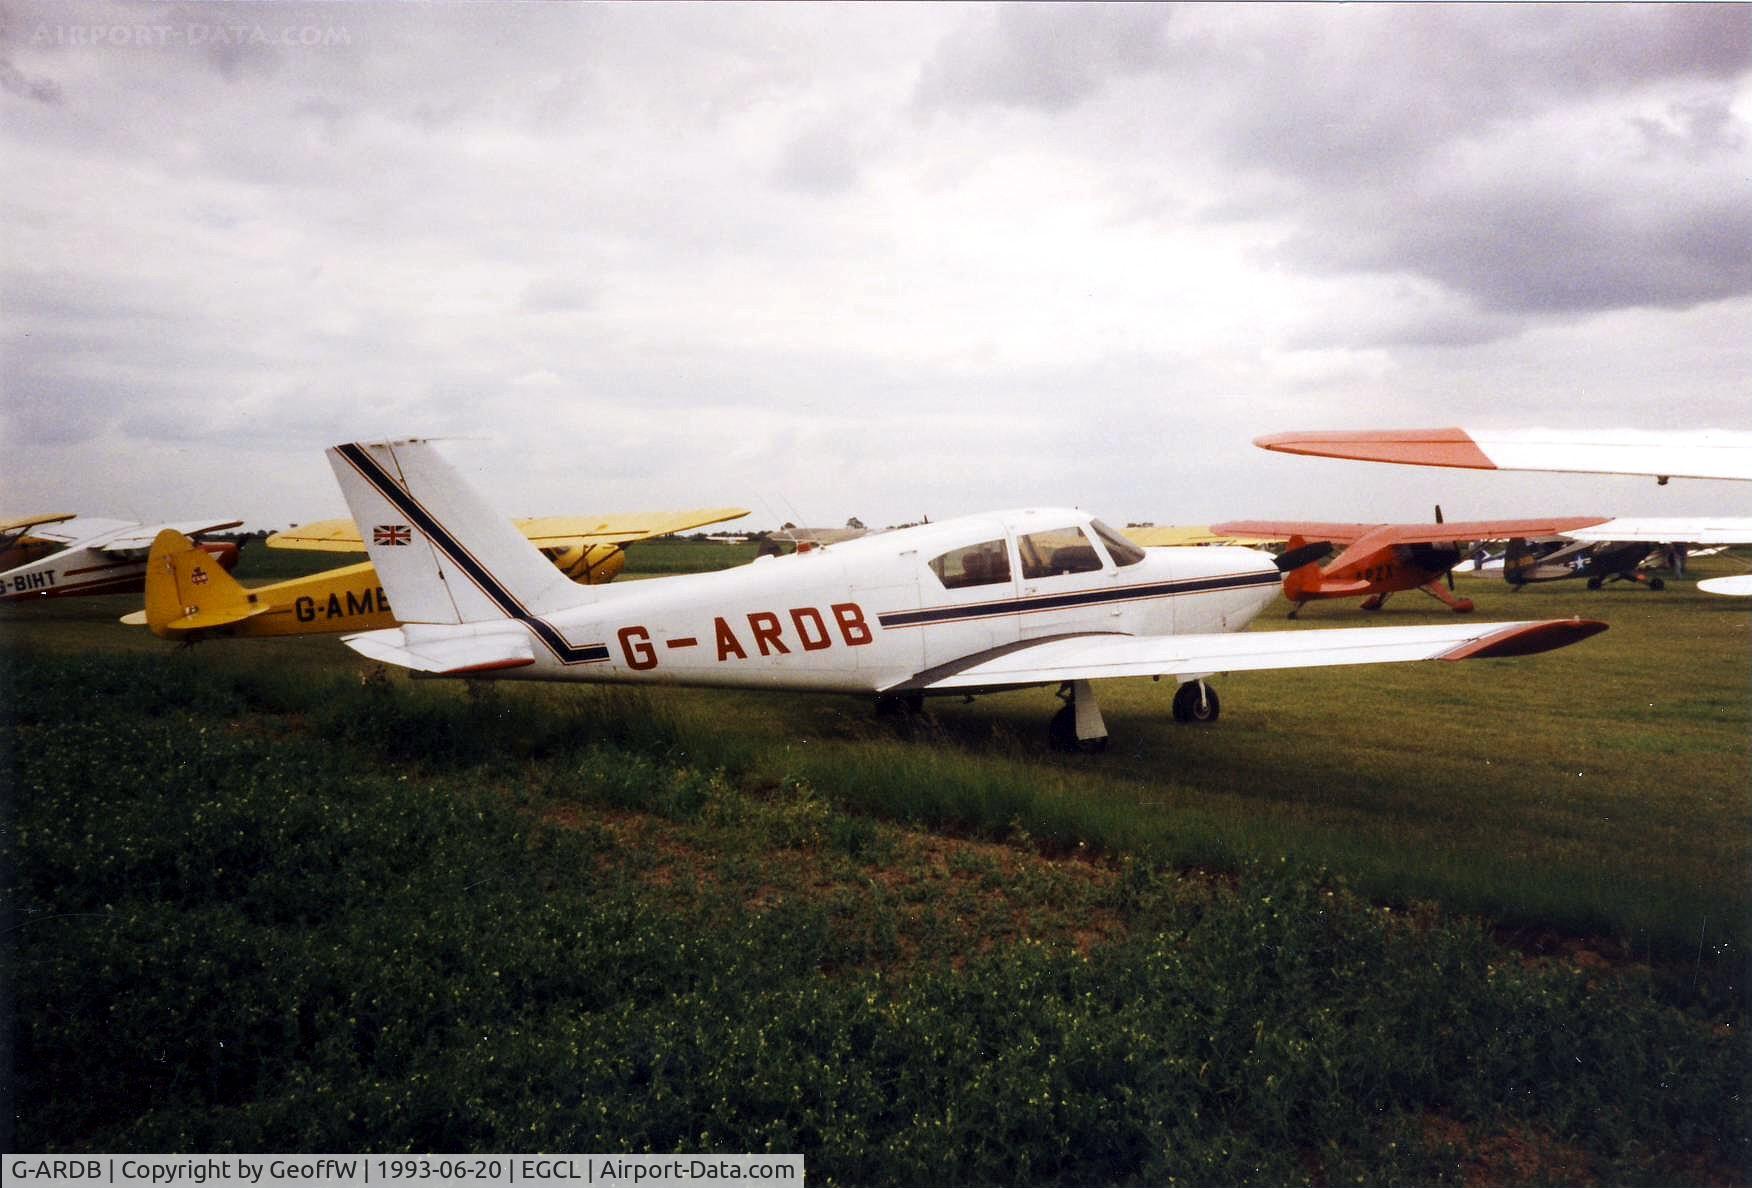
(188, 591)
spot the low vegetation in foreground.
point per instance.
(257, 907)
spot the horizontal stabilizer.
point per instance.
(446, 654)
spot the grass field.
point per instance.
(1590, 806)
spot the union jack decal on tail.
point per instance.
(392, 534)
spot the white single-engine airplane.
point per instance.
(96, 556)
(1006, 600)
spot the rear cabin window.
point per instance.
(1057, 551)
(983, 564)
(1123, 551)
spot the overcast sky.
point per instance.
(884, 262)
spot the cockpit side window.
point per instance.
(1057, 551)
(983, 564)
(1124, 552)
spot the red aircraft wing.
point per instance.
(1381, 535)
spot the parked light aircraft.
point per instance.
(1659, 453)
(1005, 600)
(186, 599)
(99, 557)
(1378, 560)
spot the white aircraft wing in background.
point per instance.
(1697, 530)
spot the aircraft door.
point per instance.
(1063, 583)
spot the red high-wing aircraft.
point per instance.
(1379, 559)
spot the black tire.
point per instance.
(1062, 730)
(900, 705)
(1595, 583)
(1194, 710)
(1657, 584)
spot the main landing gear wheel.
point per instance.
(900, 705)
(1196, 703)
(1657, 584)
(1062, 730)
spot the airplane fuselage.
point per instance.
(870, 614)
(80, 571)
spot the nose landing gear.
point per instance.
(1196, 704)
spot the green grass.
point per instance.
(260, 910)
(1600, 789)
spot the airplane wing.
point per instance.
(26, 522)
(1341, 534)
(1700, 453)
(1092, 657)
(1718, 530)
(343, 536)
(1738, 586)
(1362, 539)
(1153, 536)
(1384, 534)
(549, 531)
(80, 528)
(139, 537)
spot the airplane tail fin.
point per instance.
(189, 590)
(443, 554)
(1519, 562)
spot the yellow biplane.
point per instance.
(188, 597)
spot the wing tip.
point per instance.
(1526, 639)
(1416, 447)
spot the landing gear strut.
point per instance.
(1078, 726)
(1196, 704)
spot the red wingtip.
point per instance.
(1527, 640)
(1413, 447)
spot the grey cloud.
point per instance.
(1530, 248)
(1048, 57)
(15, 82)
(1327, 95)
(556, 294)
(824, 159)
(1694, 130)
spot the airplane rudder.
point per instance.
(444, 553)
(182, 579)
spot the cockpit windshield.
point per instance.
(1123, 551)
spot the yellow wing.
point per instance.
(32, 521)
(343, 536)
(1154, 537)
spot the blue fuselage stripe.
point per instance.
(1047, 602)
